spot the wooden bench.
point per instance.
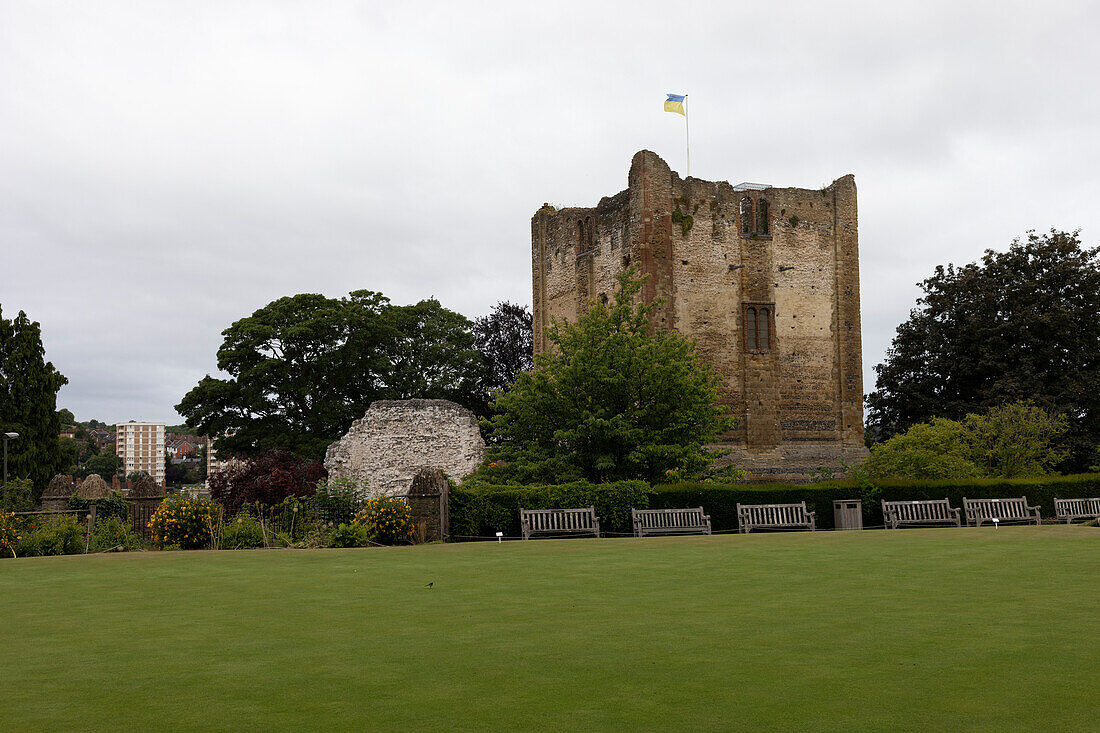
(925, 511)
(669, 521)
(559, 521)
(1070, 509)
(1003, 510)
(774, 516)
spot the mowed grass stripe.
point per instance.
(990, 629)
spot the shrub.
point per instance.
(10, 534)
(242, 532)
(114, 534)
(1011, 441)
(351, 535)
(337, 500)
(60, 535)
(18, 496)
(269, 478)
(184, 520)
(112, 505)
(390, 520)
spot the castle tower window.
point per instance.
(763, 337)
(759, 326)
(580, 236)
(746, 216)
(762, 217)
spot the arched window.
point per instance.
(584, 235)
(762, 217)
(758, 326)
(746, 216)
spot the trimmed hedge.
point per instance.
(481, 512)
(484, 511)
(721, 501)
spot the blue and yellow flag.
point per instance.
(675, 103)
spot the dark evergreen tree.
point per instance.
(505, 340)
(28, 402)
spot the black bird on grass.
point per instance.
(429, 585)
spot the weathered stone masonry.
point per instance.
(385, 449)
(765, 279)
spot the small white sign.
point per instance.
(500, 536)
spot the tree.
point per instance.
(304, 367)
(267, 478)
(1022, 324)
(174, 473)
(28, 402)
(505, 339)
(1009, 441)
(106, 464)
(70, 453)
(66, 417)
(434, 356)
(614, 399)
(301, 369)
(1020, 439)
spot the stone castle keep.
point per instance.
(765, 279)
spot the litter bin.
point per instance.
(848, 514)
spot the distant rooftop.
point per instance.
(746, 186)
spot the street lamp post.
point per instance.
(7, 437)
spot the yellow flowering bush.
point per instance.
(9, 534)
(390, 520)
(185, 521)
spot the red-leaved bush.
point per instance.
(268, 478)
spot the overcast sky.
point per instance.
(169, 167)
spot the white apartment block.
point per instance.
(140, 445)
(215, 464)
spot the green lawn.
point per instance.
(940, 629)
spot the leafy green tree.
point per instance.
(433, 356)
(174, 473)
(106, 464)
(70, 453)
(614, 399)
(1019, 325)
(303, 368)
(66, 417)
(28, 402)
(1008, 441)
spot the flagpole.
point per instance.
(687, 139)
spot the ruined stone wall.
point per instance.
(395, 439)
(800, 402)
(575, 256)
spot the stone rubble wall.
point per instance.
(396, 438)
